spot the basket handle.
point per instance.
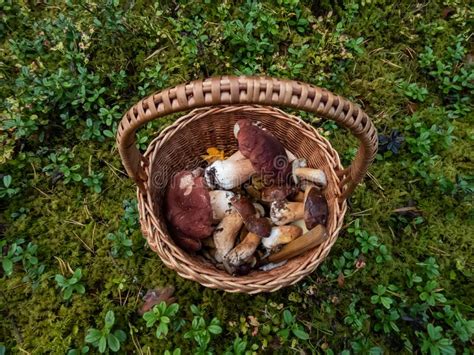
(226, 90)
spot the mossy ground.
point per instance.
(69, 70)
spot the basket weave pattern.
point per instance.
(180, 146)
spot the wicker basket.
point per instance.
(217, 103)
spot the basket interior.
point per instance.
(181, 145)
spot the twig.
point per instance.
(83, 242)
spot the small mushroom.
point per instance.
(316, 176)
(315, 208)
(281, 235)
(188, 206)
(263, 149)
(225, 234)
(300, 245)
(228, 174)
(284, 212)
(244, 250)
(253, 222)
(220, 203)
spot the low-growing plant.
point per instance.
(200, 331)
(70, 285)
(162, 315)
(106, 338)
(6, 189)
(291, 327)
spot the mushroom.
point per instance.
(307, 241)
(281, 235)
(284, 212)
(300, 171)
(220, 203)
(315, 208)
(188, 207)
(262, 148)
(228, 174)
(225, 234)
(277, 192)
(244, 250)
(253, 222)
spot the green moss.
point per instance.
(85, 57)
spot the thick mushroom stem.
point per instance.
(225, 234)
(284, 212)
(315, 208)
(314, 175)
(281, 235)
(236, 156)
(243, 251)
(227, 174)
(220, 203)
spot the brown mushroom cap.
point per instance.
(264, 150)
(188, 205)
(277, 192)
(315, 208)
(258, 225)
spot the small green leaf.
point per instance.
(93, 335)
(67, 293)
(120, 335)
(109, 319)
(113, 342)
(7, 265)
(214, 329)
(7, 180)
(102, 344)
(301, 334)
(287, 316)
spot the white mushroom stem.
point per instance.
(236, 156)
(281, 235)
(227, 174)
(220, 203)
(290, 155)
(243, 251)
(260, 210)
(284, 212)
(225, 234)
(315, 175)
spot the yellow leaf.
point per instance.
(213, 154)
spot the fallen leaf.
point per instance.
(156, 296)
(213, 154)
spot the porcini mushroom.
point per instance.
(307, 241)
(284, 212)
(263, 149)
(228, 174)
(225, 234)
(188, 206)
(315, 208)
(253, 222)
(316, 176)
(281, 235)
(244, 250)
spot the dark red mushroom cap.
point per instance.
(188, 205)
(315, 208)
(257, 225)
(264, 150)
(277, 192)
